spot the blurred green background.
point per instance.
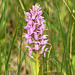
(60, 22)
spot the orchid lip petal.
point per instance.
(44, 54)
(30, 53)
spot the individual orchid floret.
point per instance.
(35, 28)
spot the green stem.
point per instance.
(37, 64)
(0, 59)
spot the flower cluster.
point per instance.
(35, 27)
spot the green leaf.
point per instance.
(32, 65)
(73, 61)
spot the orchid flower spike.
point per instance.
(35, 28)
